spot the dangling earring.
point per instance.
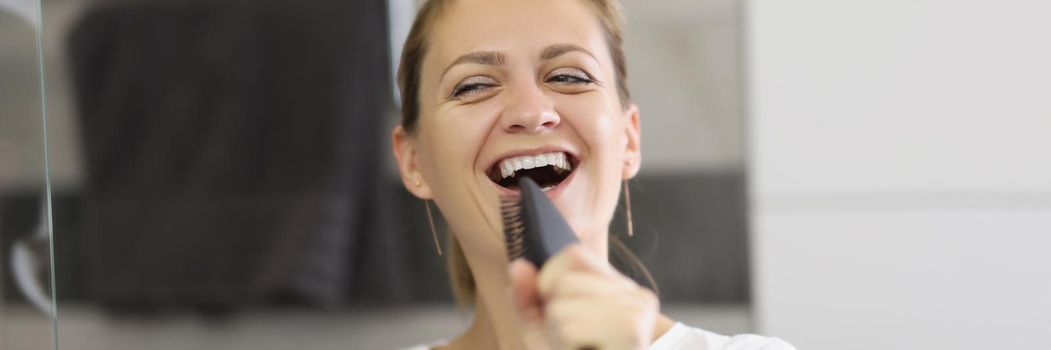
(430, 219)
(627, 209)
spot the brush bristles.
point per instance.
(511, 213)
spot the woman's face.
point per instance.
(505, 83)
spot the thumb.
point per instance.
(526, 299)
(524, 292)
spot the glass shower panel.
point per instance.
(26, 305)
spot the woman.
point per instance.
(488, 84)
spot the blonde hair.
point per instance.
(416, 44)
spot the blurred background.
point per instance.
(841, 174)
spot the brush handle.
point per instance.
(546, 231)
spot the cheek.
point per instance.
(454, 139)
(599, 126)
(601, 129)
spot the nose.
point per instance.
(529, 111)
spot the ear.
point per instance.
(633, 148)
(404, 146)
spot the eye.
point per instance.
(569, 76)
(473, 85)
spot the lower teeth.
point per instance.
(548, 188)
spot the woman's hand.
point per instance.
(581, 302)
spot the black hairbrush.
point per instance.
(533, 227)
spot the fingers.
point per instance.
(527, 303)
(579, 323)
(524, 293)
(574, 258)
(577, 301)
(577, 284)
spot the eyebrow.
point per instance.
(494, 58)
(490, 58)
(556, 50)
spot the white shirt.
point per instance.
(682, 337)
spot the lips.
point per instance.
(549, 168)
(559, 161)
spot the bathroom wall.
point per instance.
(899, 173)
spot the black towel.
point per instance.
(232, 148)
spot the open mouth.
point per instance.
(548, 170)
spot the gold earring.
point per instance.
(417, 182)
(627, 209)
(430, 219)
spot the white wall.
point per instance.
(684, 73)
(21, 131)
(900, 172)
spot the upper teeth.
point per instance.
(509, 166)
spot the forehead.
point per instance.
(515, 27)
